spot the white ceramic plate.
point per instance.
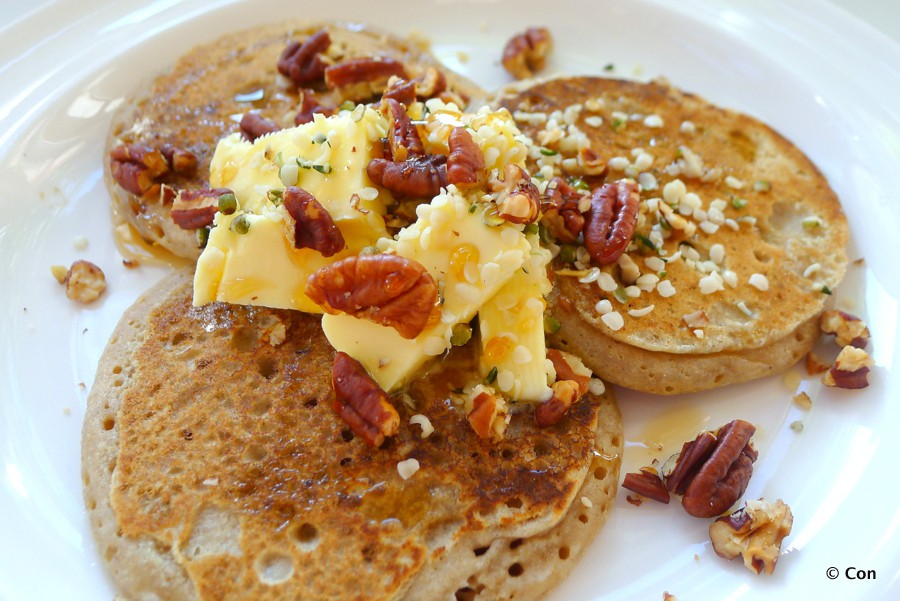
(826, 81)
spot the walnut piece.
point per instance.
(526, 53)
(754, 532)
(388, 289)
(565, 394)
(848, 330)
(361, 402)
(84, 282)
(712, 471)
(489, 415)
(308, 225)
(850, 369)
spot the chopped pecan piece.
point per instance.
(194, 209)
(519, 200)
(419, 177)
(850, 369)
(137, 168)
(401, 90)
(570, 367)
(648, 484)
(561, 214)
(301, 63)
(254, 125)
(85, 282)
(361, 78)
(754, 532)
(565, 394)
(525, 53)
(309, 225)
(611, 220)
(713, 471)
(361, 402)
(388, 289)
(814, 364)
(180, 161)
(308, 106)
(465, 163)
(848, 330)
(431, 83)
(403, 137)
(488, 416)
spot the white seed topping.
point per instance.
(603, 306)
(606, 282)
(811, 270)
(665, 289)
(711, 283)
(594, 120)
(653, 121)
(717, 253)
(641, 312)
(613, 320)
(688, 127)
(596, 386)
(423, 422)
(408, 467)
(759, 281)
(505, 380)
(734, 183)
(699, 333)
(521, 355)
(434, 345)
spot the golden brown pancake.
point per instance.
(215, 467)
(203, 96)
(767, 224)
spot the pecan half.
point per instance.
(194, 209)
(850, 369)
(565, 394)
(361, 78)
(848, 330)
(254, 125)
(713, 479)
(431, 83)
(560, 211)
(526, 53)
(401, 90)
(403, 137)
(754, 532)
(388, 289)
(648, 484)
(361, 402)
(137, 168)
(519, 200)
(301, 63)
(419, 177)
(465, 163)
(611, 220)
(488, 415)
(308, 225)
(85, 282)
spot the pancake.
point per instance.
(215, 467)
(761, 234)
(203, 96)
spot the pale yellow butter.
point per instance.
(260, 267)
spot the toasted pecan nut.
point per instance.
(431, 83)
(713, 480)
(488, 416)
(403, 137)
(565, 394)
(137, 168)
(361, 78)
(361, 402)
(525, 53)
(611, 220)
(648, 484)
(253, 126)
(180, 161)
(301, 63)
(519, 200)
(560, 211)
(419, 177)
(850, 369)
(401, 90)
(85, 282)
(754, 532)
(848, 330)
(570, 367)
(308, 106)
(309, 225)
(465, 163)
(388, 289)
(194, 209)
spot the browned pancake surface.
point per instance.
(231, 469)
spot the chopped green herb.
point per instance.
(617, 124)
(567, 253)
(825, 289)
(551, 324)
(578, 183)
(347, 105)
(319, 138)
(609, 67)
(202, 236)
(473, 207)
(738, 202)
(762, 185)
(491, 376)
(621, 295)
(662, 274)
(548, 152)
(324, 169)
(645, 241)
(531, 228)
(810, 223)
(275, 196)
